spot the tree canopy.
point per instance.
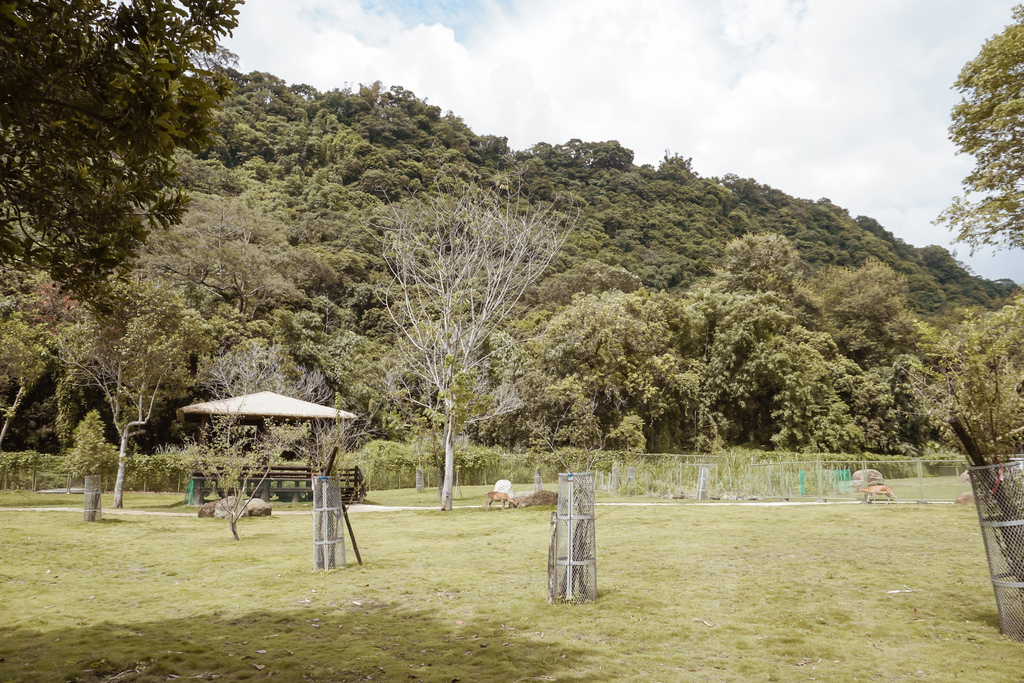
(986, 125)
(95, 97)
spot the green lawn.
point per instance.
(686, 592)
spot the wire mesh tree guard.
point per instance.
(93, 506)
(999, 497)
(572, 563)
(328, 533)
(538, 482)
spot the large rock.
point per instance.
(221, 509)
(539, 498)
(965, 499)
(874, 478)
(258, 508)
(965, 477)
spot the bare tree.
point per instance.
(258, 366)
(239, 457)
(460, 263)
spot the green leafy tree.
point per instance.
(95, 97)
(986, 125)
(767, 380)
(91, 452)
(760, 263)
(866, 313)
(222, 247)
(137, 354)
(973, 379)
(23, 361)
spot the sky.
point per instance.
(817, 98)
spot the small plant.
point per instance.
(240, 456)
(92, 453)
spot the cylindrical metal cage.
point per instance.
(999, 497)
(93, 508)
(538, 483)
(419, 480)
(575, 565)
(328, 532)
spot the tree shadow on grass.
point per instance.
(349, 642)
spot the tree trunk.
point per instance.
(10, 414)
(122, 461)
(119, 484)
(449, 463)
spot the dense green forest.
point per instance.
(682, 313)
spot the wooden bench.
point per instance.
(292, 482)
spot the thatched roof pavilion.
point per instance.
(258, 408)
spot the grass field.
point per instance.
(686, 592)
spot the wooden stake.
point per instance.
(344, 512)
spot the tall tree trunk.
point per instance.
(10, 414)
(449, 462)
(122, 461)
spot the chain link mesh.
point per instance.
(999, 496)
(328, 532)
(575, 564)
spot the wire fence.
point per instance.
(707, 477)
(726, 476)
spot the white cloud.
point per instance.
(815, 97)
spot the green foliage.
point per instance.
(389, 456)
(974, 374)
(985, 125)
(865, 311)
(91, 453)
(95, 98)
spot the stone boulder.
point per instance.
(539, 498)
(258, 507)
(965, 477)
(874, 478)
(208, 508)
(221, 509)
(965, 499)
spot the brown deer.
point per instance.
(872, 491)
(503, 497)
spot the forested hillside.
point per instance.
(682, 312)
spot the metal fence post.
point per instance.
(920, 483)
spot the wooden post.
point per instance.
(344, 512)
(552, 579)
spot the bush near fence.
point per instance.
(33, 471)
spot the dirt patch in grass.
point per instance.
(685, 593)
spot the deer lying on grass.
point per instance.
(872, 491)
(503, 497)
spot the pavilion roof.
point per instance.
(265, 404)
